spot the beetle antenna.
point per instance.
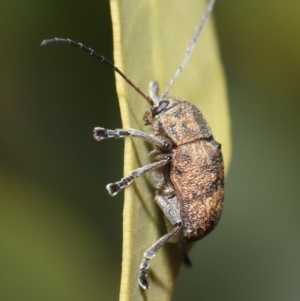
(190, 47)
(102, 59)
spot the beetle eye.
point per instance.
(161, 106)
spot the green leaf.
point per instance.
(150, 39)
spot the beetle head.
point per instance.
(158, 108)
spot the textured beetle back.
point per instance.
(197, 174)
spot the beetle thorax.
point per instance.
(180, 121)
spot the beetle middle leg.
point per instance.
(114, 188)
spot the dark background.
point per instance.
(60, 233)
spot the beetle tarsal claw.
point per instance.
(113, 188)
(143, 280)
(99, 133)
(143, 274)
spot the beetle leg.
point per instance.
(186, 260)
(114, 188)
(161, 141)
(171, 210)
(157, 155)
(153, 92)
(151, 252)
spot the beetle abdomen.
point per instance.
(197, 174)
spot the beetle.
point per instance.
(187, 168)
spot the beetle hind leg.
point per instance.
(169, 206)
(185, 257)
(151, 252)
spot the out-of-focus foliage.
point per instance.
(60, 232)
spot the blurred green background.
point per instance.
(60, 233)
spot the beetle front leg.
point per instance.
(162, 142)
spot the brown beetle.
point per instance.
(188, 171)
